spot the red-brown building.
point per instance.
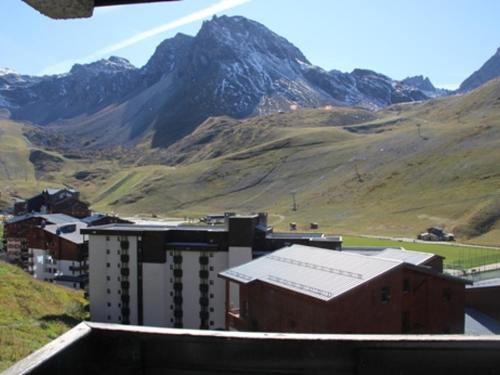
(305, 289)
(53, 201)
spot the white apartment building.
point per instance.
(167, 276)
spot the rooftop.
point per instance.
(138, 228)
(319, 273)
(74, 236)
(53, 218)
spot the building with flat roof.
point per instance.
(305, 289)
(167, 275)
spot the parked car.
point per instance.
(436, 234)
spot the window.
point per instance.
(108, 265)
(108, 278)
(109, 304)
(211, 309)
(107, 251)
(109, 317)
(108, 291)
(406, 286)
(107, 238)
(211, 268)
(385, 294)
(211, 322)
(211, 282)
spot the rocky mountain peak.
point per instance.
(490, 70)
(112, 65)
(419, 82)
(245, 36)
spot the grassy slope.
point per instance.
(32, 313)
(394, 172)
(388, 180)
(455, 256)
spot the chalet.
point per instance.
(313, 290)
(52, 201)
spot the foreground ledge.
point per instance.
(95, 348)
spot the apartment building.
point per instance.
(167, 276)
(313, 290)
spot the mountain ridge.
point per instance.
(233, 66)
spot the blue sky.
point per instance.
(445, 40)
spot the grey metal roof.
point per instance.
(285, 235)
(103, 229)
(74, 236)
(407, 256)
(485, 283)
(53, 218)
(319, 273)
(477, 323)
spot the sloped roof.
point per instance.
(407, 256)
(52, 218)
(319, 273)
(74, 236)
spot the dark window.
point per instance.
(446, 295)
(178, 259)
(109, 317)
(204, 260)
(108, 278)
(204, 274)
(211, 295)
(211, 309)
(107, 265)
(204, 288)
(109, 304)
(108, 291)
(177, 273)
(406, 285)
(211, 322)
(107, 251)
(211, 268)
(385, 294)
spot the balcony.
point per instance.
(82, 268)
(235, 321)
(93, 347)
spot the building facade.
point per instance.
(167, 276)
(50, 247)
(302, 289)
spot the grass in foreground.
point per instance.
(32, 313)
(455, 256)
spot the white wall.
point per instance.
(237, 256)
(156, 297)
(158, 284)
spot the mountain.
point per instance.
(489, 71)
(426, 163)
(233, 66)
(425, 85)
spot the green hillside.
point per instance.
(33, 313)
(392, 172)
(408, 167)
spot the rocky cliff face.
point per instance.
(233, 66)
(490, 70)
